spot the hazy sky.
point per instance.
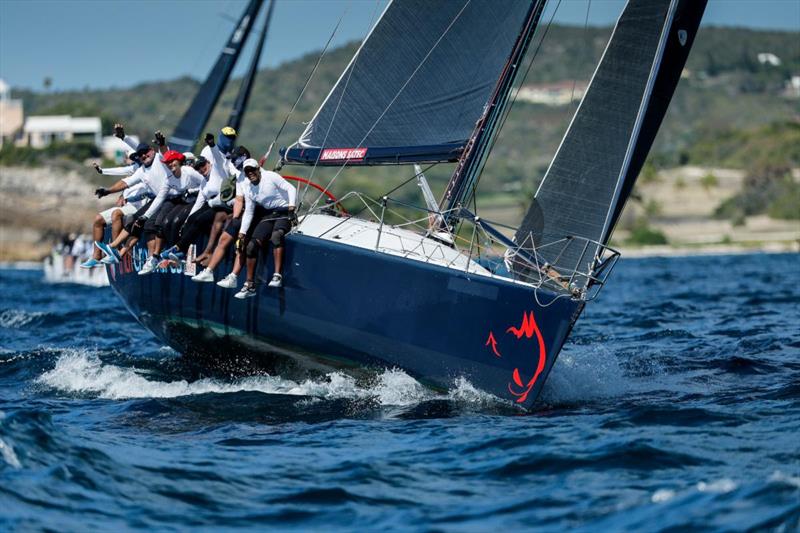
(100, 44)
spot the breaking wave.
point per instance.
(83, 372)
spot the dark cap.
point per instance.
(199, 162)
(143, 148)
(240, 151)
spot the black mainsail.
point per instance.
(416, 87)
(593, 172)
(240, 105)
(191, 125)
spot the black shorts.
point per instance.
(269, 226)
(139, 212)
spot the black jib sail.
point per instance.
(416, 87)
(191, 125)
(240, 105)
(604, 148)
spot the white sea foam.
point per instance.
(720, 486)
(780, 477)
(82, 372)
(662, 495)
(17, 318)
(7, 452)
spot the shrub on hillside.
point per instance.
(766, 189)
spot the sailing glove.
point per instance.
(100, 192)
(210, 139)
(159, 139)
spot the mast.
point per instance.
(461, 186)
(237, 113)
(191, 125)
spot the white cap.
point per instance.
(189, 155)
(250, 163)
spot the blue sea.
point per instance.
(675, 406)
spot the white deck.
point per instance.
(394, 241)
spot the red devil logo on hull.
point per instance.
(528, 329)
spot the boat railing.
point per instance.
(488, 244)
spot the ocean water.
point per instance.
(675, 406)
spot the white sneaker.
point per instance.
(149, 266)
(231, 281)
(207, 275)
(247, 291)
(276, 281)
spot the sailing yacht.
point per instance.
(447, 294)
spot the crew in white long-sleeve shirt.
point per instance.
(167, 212)
(127, 204)
(152, 173)
(269, 202)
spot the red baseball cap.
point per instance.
(173, 155)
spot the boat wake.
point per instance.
(83, 372)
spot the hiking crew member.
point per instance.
(131, 199)
(222, 168)
(153, 173)
(201, 216)
(269, 200)
(170, 207)
(238, 158)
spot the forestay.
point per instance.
(593, 171)
(416, 87)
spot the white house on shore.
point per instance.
(10, 114)
(41, 131)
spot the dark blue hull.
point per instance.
(345, 307)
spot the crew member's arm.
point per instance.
(118, 186)
(136, 193)
(247, 218)
(288, 188)
(198, 203)
(119, 132)
(160, 141)
(127, 170)
(159, 199)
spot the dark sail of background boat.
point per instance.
(191, 125)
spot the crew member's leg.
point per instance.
(257, 243)
(228, 236)
(282, 227)
(221, 216)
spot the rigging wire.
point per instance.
(514, 97)
(305, 86)
(389, 105)
(588, 47)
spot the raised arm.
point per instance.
(127, 170)
(119, 132)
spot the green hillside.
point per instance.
(727, 91)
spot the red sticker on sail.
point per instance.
(343, 154)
